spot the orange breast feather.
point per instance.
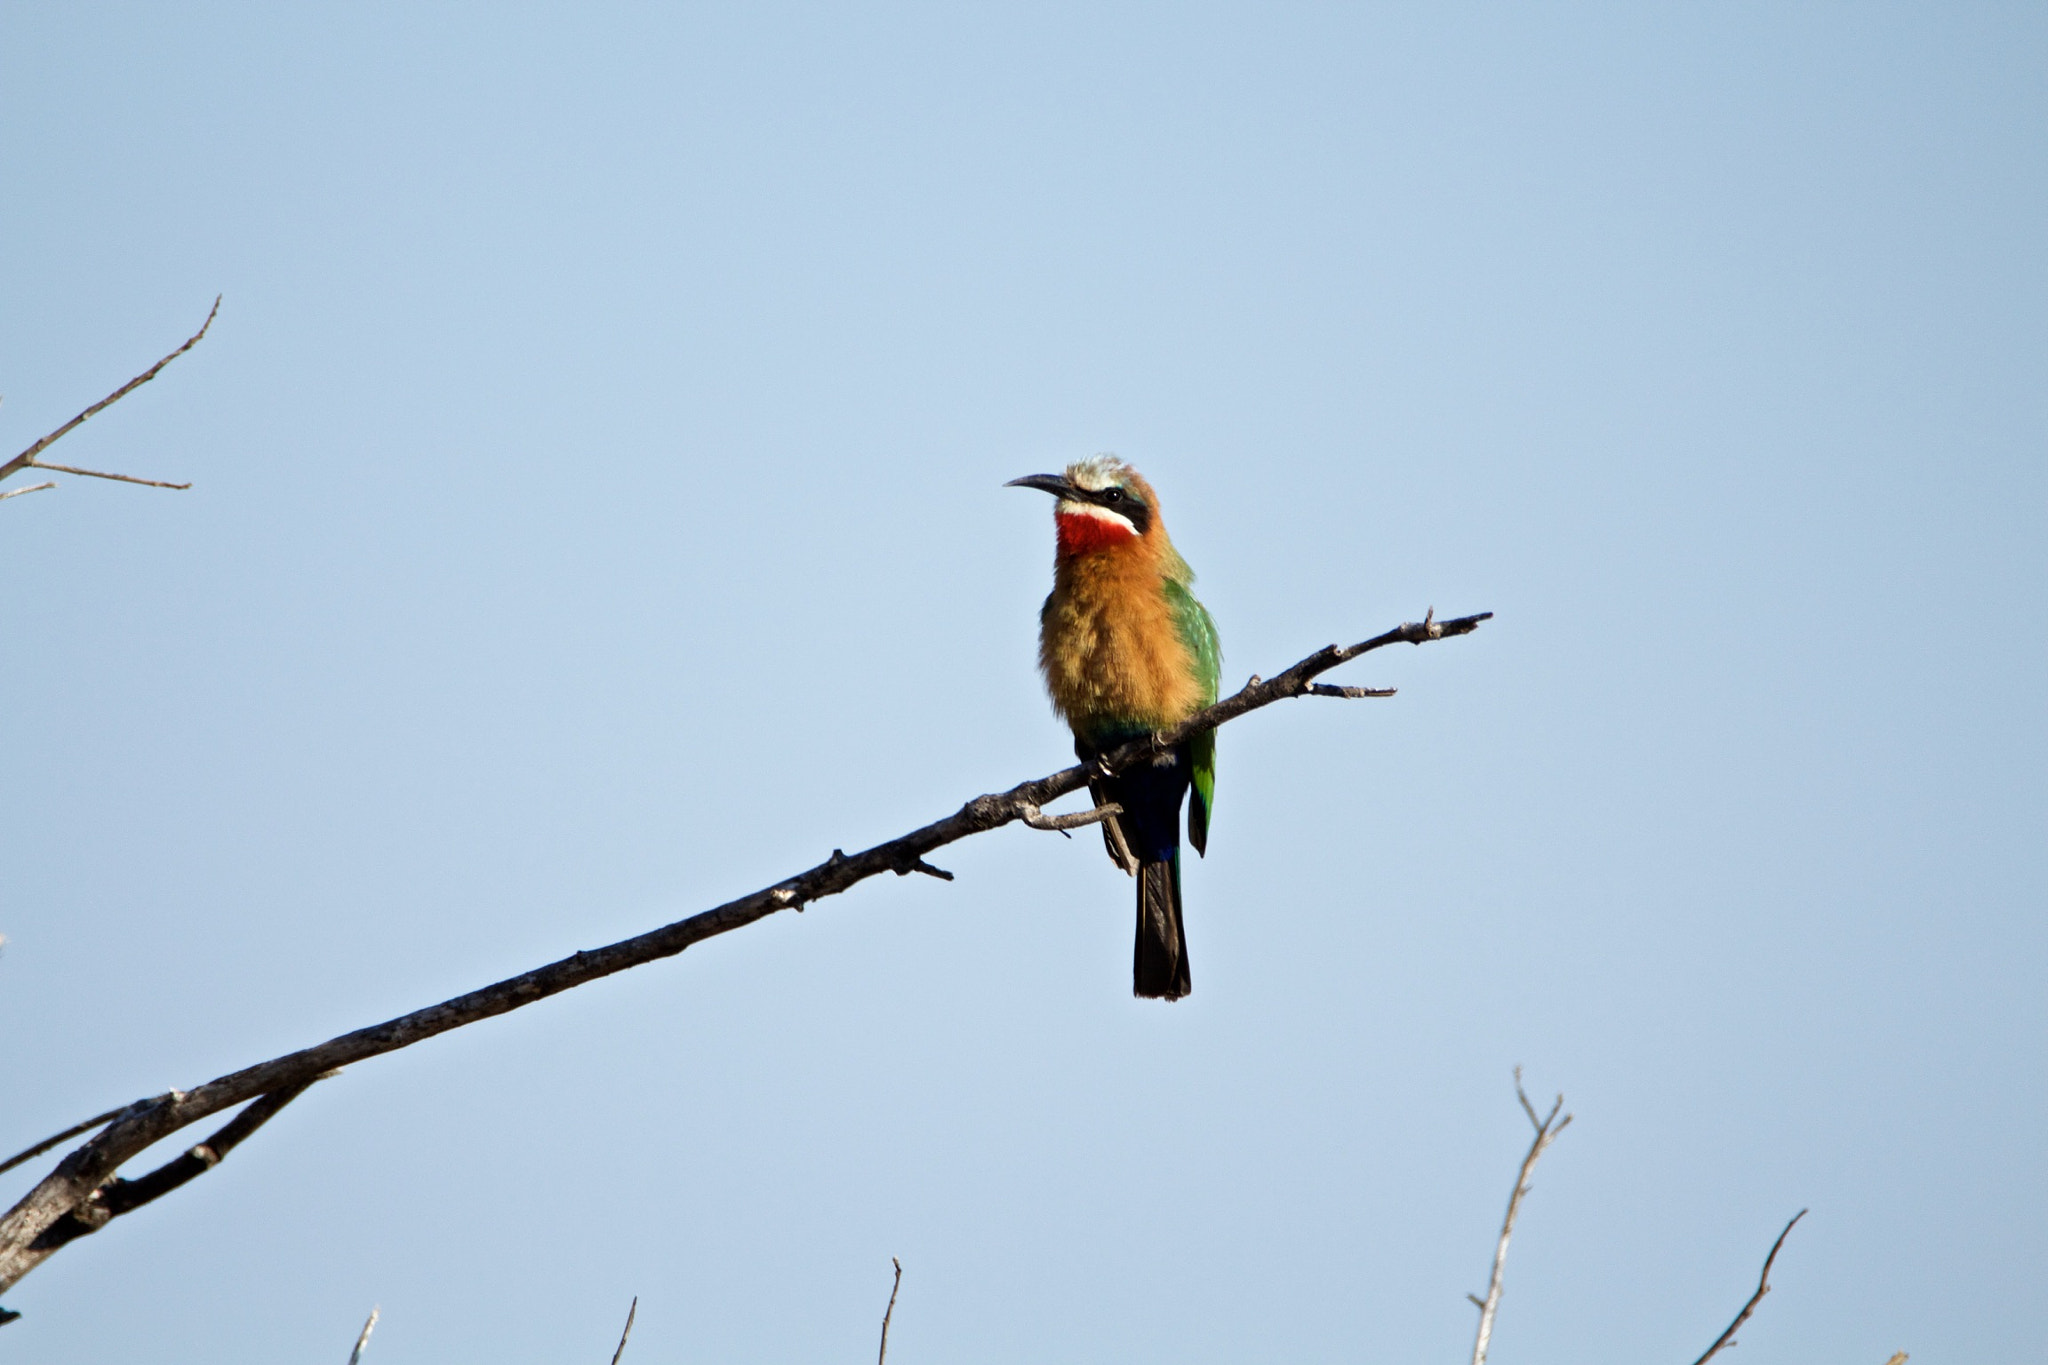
(1109, 646)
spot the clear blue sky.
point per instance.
(597, 515)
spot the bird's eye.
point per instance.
(1113, 495)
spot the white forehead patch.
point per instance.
(1097, 472)
(1068, 508)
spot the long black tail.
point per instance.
(1159, 967)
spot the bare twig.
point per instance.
(98, 474)
(915, 864)
(96, 1121)
(27, 458)
(1763, 1287)
(1038, 819)
(355, 1357)
(630, 1311)
(1327, 690)
(1547, 1128)
(32, 488)
(890, 1311)
(82, 1174)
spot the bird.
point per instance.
(1128, 652)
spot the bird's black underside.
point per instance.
(1145, 841)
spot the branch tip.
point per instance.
(27, 458)
(630, 1311)
(1763, 1286)
(355, 1357)
(882, 1357)
(1547, 1130)
(910, 865)
(101, 474)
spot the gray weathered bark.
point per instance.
(82, 1194)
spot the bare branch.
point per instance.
(28, 457)
(119, 1196)
(1327, 690)
(889, 1312)
(1038, 819)
(1763, 1287)
(630, 1312)
(32, 488)
(355, 1357)
(1547, 1129)
(96, 1121)
(97, 474)
(79, 1178)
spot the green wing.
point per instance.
(1198, 633)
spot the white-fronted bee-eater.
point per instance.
(1127, 652)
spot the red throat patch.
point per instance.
(1082, 534)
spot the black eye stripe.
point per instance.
(1124, 503)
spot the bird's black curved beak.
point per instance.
(1054, 484)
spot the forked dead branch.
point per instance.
(28, 458)
(85, 1192)
(1547, 1128)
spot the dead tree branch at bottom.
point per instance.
(882, 1358)
(1547, 1129)
(1763, 1287)
(81, 1180)
(632, 1310)
(355, 1357)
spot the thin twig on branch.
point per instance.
(883, 1357)
(1763, 1287)
(102, 474)
(27, 459)
(96, 1121)
(80, 1180)
(32, 488)
(631, 1309)
(1060, 824)
(355, 1357)
(1547, 1128)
